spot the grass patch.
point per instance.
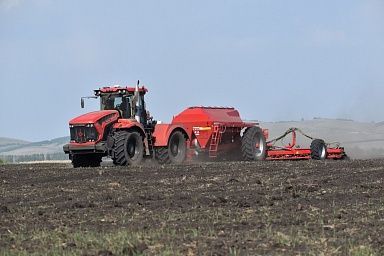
(65, 242)
(172, 239)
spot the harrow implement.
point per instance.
(318, 149)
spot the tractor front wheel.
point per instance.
(318, 150)
(253, 144)
(128, 148)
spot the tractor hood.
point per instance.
(93, 117)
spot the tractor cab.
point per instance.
(122, 103)
(128, 101)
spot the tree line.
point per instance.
(33, 157)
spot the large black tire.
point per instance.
(86, 160)
(318, 150)
(177, 147)
(162, 156)
(175, 152)
(128, 148)
(253, 144)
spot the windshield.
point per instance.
(117, 102)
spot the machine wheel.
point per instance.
(162, 155)
(177, 148)
(128, 148)
(86, 160)
(253, 144)
(318, 150)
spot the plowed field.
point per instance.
(226, 208)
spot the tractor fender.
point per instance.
(128, 124)
(162, 133)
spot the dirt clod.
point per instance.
(4, 209)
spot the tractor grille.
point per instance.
(81, 134)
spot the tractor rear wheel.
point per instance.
(253, 144)
(86, 160)
(175, 152)
(177, 148)
(128, 148)
(318, 150)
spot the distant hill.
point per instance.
(16, 147)
(7, 144)
(9, 141)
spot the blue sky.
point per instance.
(271, 59)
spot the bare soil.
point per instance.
(218, 208)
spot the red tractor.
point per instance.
(124, 131)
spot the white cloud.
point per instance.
(373, 9)
(13, 4)
(371, 13)
(10, 4)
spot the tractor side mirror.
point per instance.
(88, 97)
